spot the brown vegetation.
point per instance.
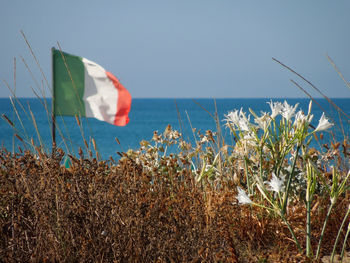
(101, 211)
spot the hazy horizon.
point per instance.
(206, 98)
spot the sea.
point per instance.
(32, 121)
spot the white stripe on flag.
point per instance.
(100, 95)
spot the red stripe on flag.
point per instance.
(124, 102)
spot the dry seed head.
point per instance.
(167, 130)
(156, 137)
(335, 145)
(94, 144)
(310, 107)
(209, 133)
(39, 152)
(8, 120)
(18, 137)
(86, 145)
(77, 119)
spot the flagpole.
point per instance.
(53, 102)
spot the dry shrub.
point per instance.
(94, 211)
(99, 211)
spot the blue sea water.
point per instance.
(146, 116)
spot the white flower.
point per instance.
(276, 108)
(249, 139)
(244, 121)
(288, 111)
(263, 121)
(242, 197)
(232, 118)
(323, 124)
(301, 119)
(276, 184)
(237, 120)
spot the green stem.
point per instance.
(308, 197)
(247, 175)
(292, 232)
(323, 229)
(308, 222)
(285, 200)
(341, 227)
(262, 206)
(344, 243)
(261, 163)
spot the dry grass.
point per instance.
(106, 212)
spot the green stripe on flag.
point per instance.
(68, 94)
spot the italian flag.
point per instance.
(82, 87)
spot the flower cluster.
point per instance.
(238, 120)
(270, 148)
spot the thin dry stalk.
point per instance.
(36, 60)
(315, 88)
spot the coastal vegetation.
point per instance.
(266, 197)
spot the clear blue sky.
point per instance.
(184, 48)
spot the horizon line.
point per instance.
(184, 98)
